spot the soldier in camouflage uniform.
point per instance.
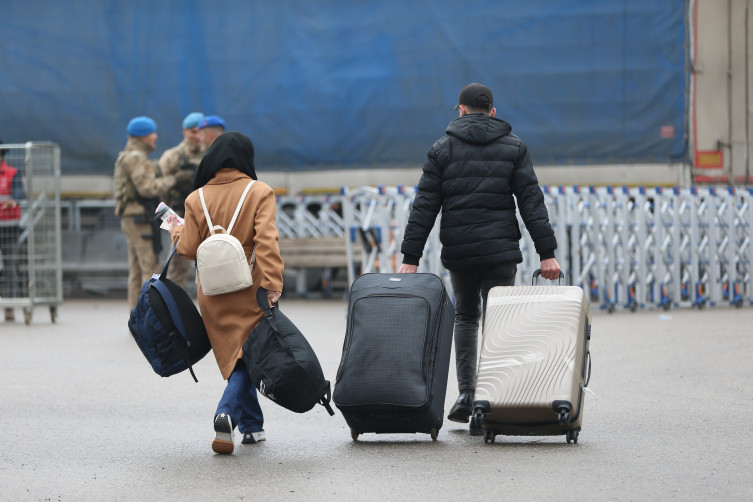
(184, 157)
(210, 128)
(138, 189)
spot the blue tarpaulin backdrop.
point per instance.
(338, 83)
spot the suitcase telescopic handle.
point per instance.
(537, 273)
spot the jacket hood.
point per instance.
(478, 128)
(230, 149)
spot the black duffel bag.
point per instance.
(281, 363)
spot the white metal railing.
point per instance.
(627, 247)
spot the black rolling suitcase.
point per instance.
(396, 355)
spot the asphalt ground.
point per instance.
(669, 416)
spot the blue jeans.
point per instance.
(240, 401)
(471, 287)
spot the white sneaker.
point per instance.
(223, 427)
(254, 437)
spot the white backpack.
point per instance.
(220, 259)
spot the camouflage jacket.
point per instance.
(180, 157)
(136, 180)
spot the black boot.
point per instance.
(476, 428)
(462, 408)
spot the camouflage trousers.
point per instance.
(142, 262)
(179, 270)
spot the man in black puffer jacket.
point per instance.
(471, 174)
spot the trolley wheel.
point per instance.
(667, 306)
(739, 303)
(571, 437)
(27, 316)
(434, 433)
(489, 436)
(354, 434)
(610, 308)
(53, 314)
(633, 307)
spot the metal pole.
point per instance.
(729, 146)
(747, 97)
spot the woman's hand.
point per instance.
(273, 296)
(175, 232)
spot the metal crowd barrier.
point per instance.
(307, 216)
(627, 247)
(95, 257)
(376, 216)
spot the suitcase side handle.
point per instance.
(537, 273)
(588, 378)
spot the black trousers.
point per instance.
(471, 287)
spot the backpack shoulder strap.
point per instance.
(172, 308)
(167, 264)
(213, 228)
(238, 207)
(206, 211)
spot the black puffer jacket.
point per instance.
(472, 173)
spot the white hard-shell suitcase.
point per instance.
(534, 362)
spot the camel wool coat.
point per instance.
(230, 317)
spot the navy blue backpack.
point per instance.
(167, 326)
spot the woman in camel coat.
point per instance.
(224, 173)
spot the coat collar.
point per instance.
(227, 175)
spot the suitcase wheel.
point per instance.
(354, 434)
(572, 437)
(434, 433)
(489, 436)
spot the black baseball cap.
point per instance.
(476, 95)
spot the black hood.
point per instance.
(478, 128)
(230, 149)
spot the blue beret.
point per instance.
(212, 120)
(141, 126)
(192, 120)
